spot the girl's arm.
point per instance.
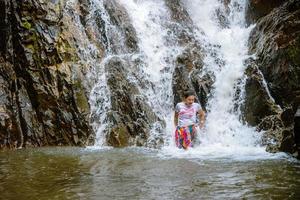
(201, 115)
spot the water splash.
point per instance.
(226, 50)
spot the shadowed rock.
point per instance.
(259, 8)
(131, 118)
(276, 42)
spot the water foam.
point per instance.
(226, 45)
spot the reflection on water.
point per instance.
(136, 173)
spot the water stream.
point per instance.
(228, 162)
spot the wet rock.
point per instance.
(276, 136)
(256, 91)
(44, 98)
(259, 8)
(202, 83)
(181, 83)
(276, 42)
(131, 117)
(222, 14)
(189, 75)
(121, 21)
(182, 30)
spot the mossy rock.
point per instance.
(119, 136)
(80, 97)
(26, 25)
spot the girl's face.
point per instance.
(189, 100)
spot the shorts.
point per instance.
(184, 136)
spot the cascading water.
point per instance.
(90, 56)
(225, 44)
(226, 50)
(151, 20)
(100, 95)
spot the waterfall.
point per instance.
(112, 39)
(221, 31)
(90, 35)
(155, 59)
(225, 42)
(223, 123)
(151, 20)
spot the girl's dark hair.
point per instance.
(186, 94)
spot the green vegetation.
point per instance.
(26, 25)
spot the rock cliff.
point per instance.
(273, 86)
(43, 98)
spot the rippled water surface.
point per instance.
(137, 173)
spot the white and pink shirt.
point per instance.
(187, 115)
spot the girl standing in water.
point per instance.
(185, 120)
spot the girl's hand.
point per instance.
(201, 124)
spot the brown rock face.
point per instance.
(256, 90)
(259, 8)
(131, 117)
(48, 52)
(43, 100)
(276, 42)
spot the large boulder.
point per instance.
(189, 76)
(276, 76)
(256, 91)
(131, 118)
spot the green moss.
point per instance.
(26, 25)
(66, 50)
(81, 100)
(30, 46)
(294, 52)
(36, 50)
(34, 44)
(123, 136)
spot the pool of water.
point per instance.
(139, 173)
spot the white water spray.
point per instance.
(100, 95)
(151, 20)
(226, 50)
(226, 46)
